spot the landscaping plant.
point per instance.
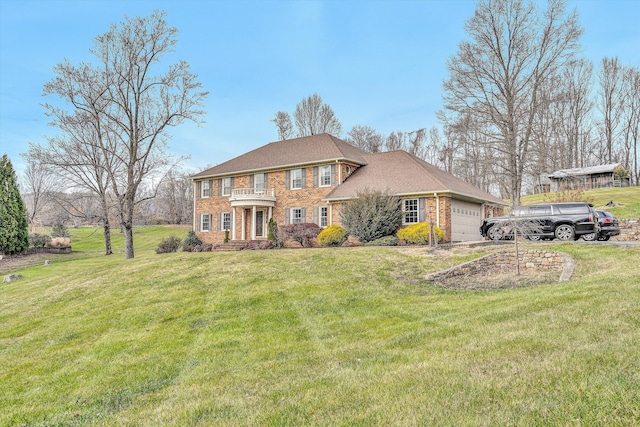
(418, 233)
(333, 235)
(373, 214)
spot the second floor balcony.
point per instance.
(253, 197)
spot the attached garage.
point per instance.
(465, 221)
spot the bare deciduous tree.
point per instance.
(366, 138)
(497, 75)
(284, 125)
(312, 117)
(130, 107)
(38, 183)
(611, 104)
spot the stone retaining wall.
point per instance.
(505, 262)
(629, 230)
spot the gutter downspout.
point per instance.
(437, 209)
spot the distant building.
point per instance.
(601, 176)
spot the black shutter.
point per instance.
(219, 186)
(199, 190)
(304, 177)
(315, 176)
(304, 214)
(287, 180)
(286, 216)
(333, 174)
(316, 215)
(422, 215)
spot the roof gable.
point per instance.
(288, 153)
(401, 173)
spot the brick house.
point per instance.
(308, 179)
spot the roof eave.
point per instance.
(278, 167)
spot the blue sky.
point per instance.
(377, 63)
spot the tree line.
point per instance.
(519, 103)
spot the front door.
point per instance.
(260, 223)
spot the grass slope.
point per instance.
(316, 337)
(628, 198)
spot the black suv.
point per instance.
(564, 221)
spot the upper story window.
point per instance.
(296, 179)
(205, 188)
(226, 186)
(260, 181)
(410, 211)
(325, 176)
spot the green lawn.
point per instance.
(627, 197)
(345, 336)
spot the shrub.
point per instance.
(170, 244)
(373, 214)
(59, 230)
(302, 233)
(333, 235)
(190, 241)
(384, 241)
(260, 245)
(38, 240)
(272, 231)
(418, 234)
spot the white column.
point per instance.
(243, 222)
(253, 223)
(233, 224)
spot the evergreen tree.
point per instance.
(14, 234)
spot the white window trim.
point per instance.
(405, 212)
(224, 191)
(325, 216)
(202, 221)
(293, 216)
(322, 175)
(293, 179)
(205, 193)
(224, 220)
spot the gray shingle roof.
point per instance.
(287, 153)
(401, 173)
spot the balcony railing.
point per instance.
(242, 196)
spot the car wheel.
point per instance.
(534, 237)
(496, 233)
(589, 237)
(565, 232)
(603, 238)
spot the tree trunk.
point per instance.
(107, 238)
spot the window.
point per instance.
(205, 222)
(325, 176)
(259, 181)
(410, 211)
(226, 221)
(226, 186)
(296, 216)
(296, 179)
(205, 188)
(324, 217)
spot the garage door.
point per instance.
(465, 221)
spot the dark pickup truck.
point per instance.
(562, 221)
